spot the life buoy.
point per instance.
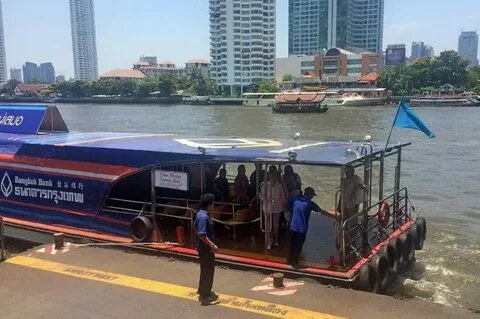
(140, 229)
(391, 253)
(383, 214)
(408, 247)
(380, 267)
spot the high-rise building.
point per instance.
(315, 25)
(83, 40)
(46, 73)
(16, 74)
(3, 57)
(421, 50)
(30, 73)
(468, 46)
(242, 43)
(365, 25)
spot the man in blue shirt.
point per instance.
(206, 250)
(300, 206)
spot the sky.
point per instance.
(177, 30)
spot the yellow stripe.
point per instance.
(229, 301)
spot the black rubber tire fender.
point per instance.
(362, 282)
(417, 240)
(399, 249)
(141, 229)
(379, 265)
(391, 253)
(408, 247)
(422, 227)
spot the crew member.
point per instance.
(206, 250)
(301, 207)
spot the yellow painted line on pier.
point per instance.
(172, 290)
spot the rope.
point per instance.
(166, 244)
(234, 223)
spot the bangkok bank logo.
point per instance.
(6, 185)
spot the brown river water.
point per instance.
(442, 174)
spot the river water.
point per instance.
(442, 174)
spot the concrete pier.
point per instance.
(89, 282)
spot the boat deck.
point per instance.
(89, 282)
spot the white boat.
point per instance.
(259, 99)
(355, 99)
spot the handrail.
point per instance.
(402, 212)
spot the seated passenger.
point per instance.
(220, 186)
(241, 186)
(291, 181)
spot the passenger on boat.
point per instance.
(241, 186)
(253, 179)
(220, 186)
(273, 203)
(352, 195)
(292, 181)
(301, 207)
(206, 249)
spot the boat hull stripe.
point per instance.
(114, 170)
(60, 171)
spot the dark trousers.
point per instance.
(297, 240)
(207, 271)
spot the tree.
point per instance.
(266, 86)
(9, 87)
(287, 78)
(449, 67)
(473, 78)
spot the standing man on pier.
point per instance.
(206, 250)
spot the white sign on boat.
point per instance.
(172, 180)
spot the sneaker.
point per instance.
(213, 296)
(276, 245)
(206, 301)
(269, 247)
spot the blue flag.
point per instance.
(407, 118)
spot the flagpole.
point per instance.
(393, 124)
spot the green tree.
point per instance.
(473, 78)
(266, 86)
(9, 87)
(287, 78)
(449, 67)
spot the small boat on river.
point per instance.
(447, 101)
(144, 189)
(299, 102)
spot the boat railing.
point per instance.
(362, 236)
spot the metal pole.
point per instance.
(381, 177)
(153, 204)
(342, 214)
(397, 186)
(393, 124)
(2, 240)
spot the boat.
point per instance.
(197, 100)
(298, 102)
(355, 99)
(144, 188)
(259, 99)
(445, 101)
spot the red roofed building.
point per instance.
(29, 89)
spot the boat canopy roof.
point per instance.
(141, 150)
